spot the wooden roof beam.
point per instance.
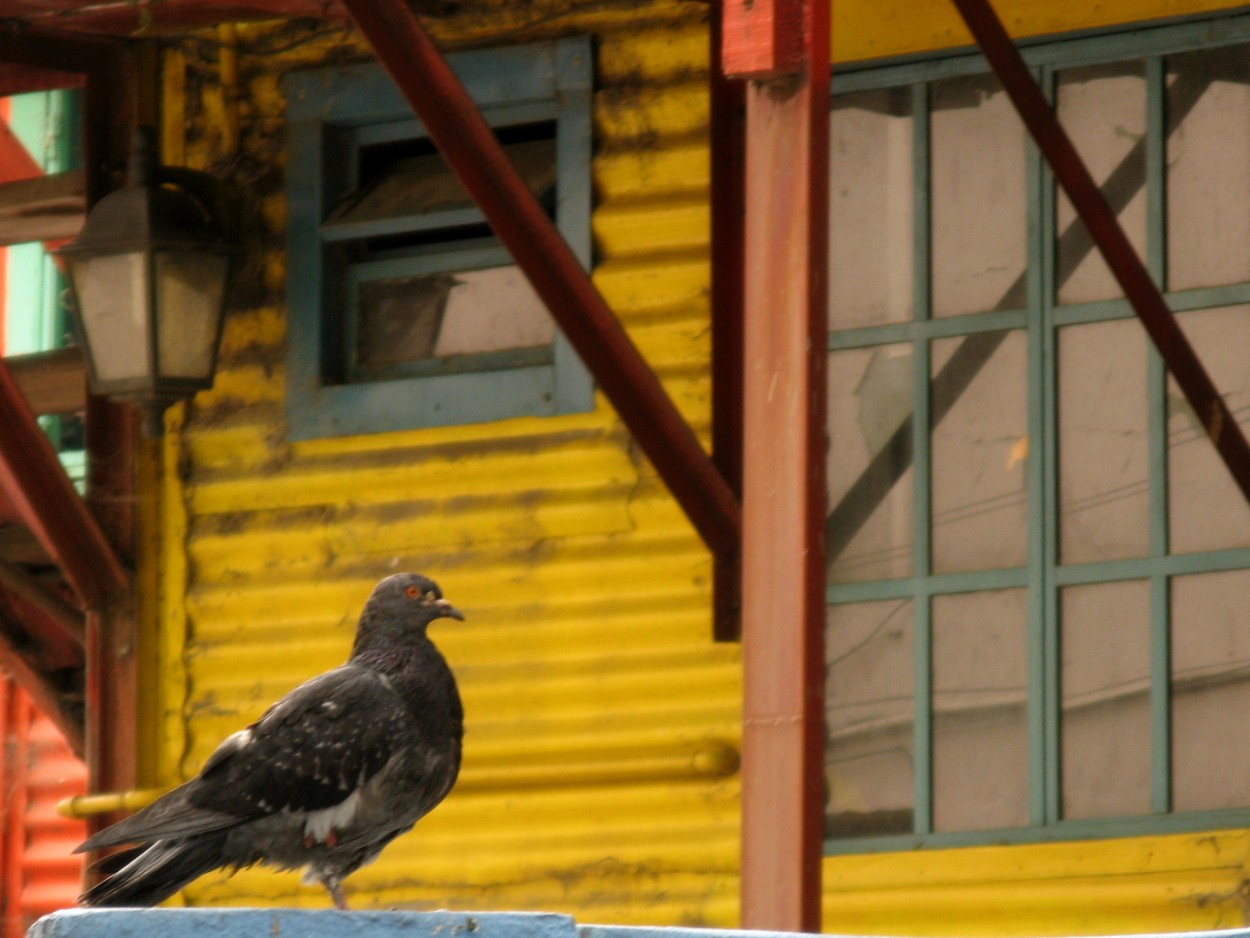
(45, 501)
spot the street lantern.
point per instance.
(148, 276)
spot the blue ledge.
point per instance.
(297, 923)
(329, 923)
(308, 923)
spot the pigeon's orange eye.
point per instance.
(412, 592)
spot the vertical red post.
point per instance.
(783, 569)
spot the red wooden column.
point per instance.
(782, 48)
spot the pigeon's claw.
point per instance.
(336, 893)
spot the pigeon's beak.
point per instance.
(444, 609)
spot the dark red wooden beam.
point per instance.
(45, 501)
(783, 568)
(1104, 228)
(470, 148)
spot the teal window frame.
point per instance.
(1043, 575)
(333, 111)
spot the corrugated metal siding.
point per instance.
(38, 871)
(602, 721)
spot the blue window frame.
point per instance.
(385, 250)
(1037, 561)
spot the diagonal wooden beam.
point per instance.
(1104, 227)
(46, 502)
(471, 149)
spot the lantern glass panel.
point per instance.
(113, 301)
(189, 288)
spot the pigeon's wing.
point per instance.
(309, 751)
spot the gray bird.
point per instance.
(327, 777)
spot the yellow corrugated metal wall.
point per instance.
(602, 721)
(601, 748)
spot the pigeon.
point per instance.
(327, 777)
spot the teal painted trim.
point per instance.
(922, 728)
(337, 231)
(1183, 300)
(1156, 171)
(356, 95)
(922, 210)
(1140, 826)
(333, 113)
(432, 262)
(1180, 301)
(922, 469)
(446, 400)
(1141, 567)
(1160, 696)
(1042, 490)
(929, 329)
(940, 584)
(574, 391)
(501, 115)
(1157, 447)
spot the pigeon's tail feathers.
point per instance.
(158, 872)
(171, 816)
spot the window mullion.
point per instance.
(1043, 489)
(922, 515)
(1157, 443)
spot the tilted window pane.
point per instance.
(870, 209)
(978, 198)
(1103, 457)
(1105, 685)
(869, 713)
(980, 452)
(980, 707)
(869, 465)
(1210, 691)
(1103, 109)
(1207, 510)
(1208, 158)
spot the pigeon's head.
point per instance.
(403, 604)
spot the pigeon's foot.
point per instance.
(336, 893)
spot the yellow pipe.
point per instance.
(714, 759)
(82, 806)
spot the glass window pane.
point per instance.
(980, 697)
(1103, 458)
(869, 465)
(115, 286)
(870, 209)
(189, 286)
(442, 315)
(1103, 109)
(1206, 508)
(1210, 691)
(869, 713)
(1105, 681)
(1208, 159)
(978, 197)
(980, 450)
